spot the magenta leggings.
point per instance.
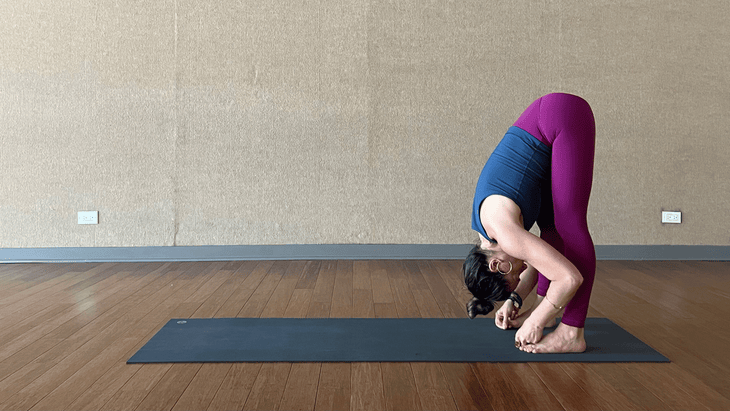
(565, 122)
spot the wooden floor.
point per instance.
(66, 331)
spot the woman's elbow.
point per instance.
(576, 280)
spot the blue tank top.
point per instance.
(518, 169)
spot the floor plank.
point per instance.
(76, 384)
(321, 302)
(269, 387)
(200, 392)
(465, 387)
(251, 274)
(503, 394)
(448, 305)
(137, 388)
(623, 382)
(403, 298)
(236, 387)
(570, 395)
(102, 390)
(367, 387)
(300, 392)
(399, 387)
(333, 391)
(533, 391)
(280, 297)
(263, 291)
(170, 387)
(433, 389)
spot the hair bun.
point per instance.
(476, 307)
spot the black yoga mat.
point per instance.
(366, 340)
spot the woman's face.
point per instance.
(500, 261)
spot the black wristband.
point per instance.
(516, 299)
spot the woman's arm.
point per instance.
(565, 278)
(502, 218)
(528, 280)
(508, 312)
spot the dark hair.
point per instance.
(486, 286)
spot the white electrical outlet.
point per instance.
(672, 217)
(88, 217)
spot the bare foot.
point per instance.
(564, 339)
(517, 322)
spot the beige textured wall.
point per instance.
(346, 121)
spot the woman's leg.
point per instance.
(546, 222)
(529, 121)
(567, 121)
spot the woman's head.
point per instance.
(487, 282)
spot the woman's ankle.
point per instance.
(571, 331)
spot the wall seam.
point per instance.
(176, 131)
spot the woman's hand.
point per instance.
(529, 333)
(520, 319)
(506, 313)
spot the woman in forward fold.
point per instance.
(541, 171)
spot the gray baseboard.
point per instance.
(329, 252)
(236, 252)
(663, 252)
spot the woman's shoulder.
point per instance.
(498, 210)
(497, 203)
